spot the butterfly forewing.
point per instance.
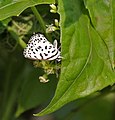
(39, 48)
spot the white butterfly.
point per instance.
(39, 48)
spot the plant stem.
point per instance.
(18, 26)
(22, 43)
(16, 37)
(40, 20)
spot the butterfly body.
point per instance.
(39, 48)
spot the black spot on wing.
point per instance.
(45, 47)
(38, 35)
(53, 51)
(45, 54)
(35, 56)
(53, 55)
(50, 47)
(41, 38)
(38, 40)
(34, 52)
(41, 55)
(38, 47)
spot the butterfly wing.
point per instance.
(39, 48)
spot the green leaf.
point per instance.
(33, 92)
(10, 81)
(14, 8)
(99, 109)
(20, 84)
(86, 67)
(3, 24)
(102, 13)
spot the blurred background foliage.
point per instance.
(22, 94)
(19, 79)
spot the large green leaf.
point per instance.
(11, 71)
(86, 67)
(13, 8)
(33, 92)
(102, 13)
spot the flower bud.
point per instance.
(53, 11)
(53, 7)
(56, 22)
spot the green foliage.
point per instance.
(87, 37)
(103, 18)
(10, 8)
(86, 66)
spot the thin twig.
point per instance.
(40, 20)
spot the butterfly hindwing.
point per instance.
(39, 48)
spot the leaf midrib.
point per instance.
(79, 73)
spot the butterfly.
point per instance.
(39, 48)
